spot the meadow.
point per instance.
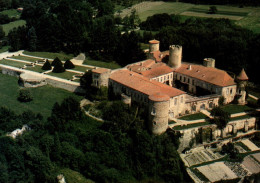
(247, 17)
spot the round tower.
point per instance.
(154, 45)
(209, 62)
(158, 113)
(241, 80)
(175, 56)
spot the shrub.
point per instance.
(25, 96)
(55, 61)
(69, 65)
(46, 66)
(58, 68)
(213, 10)
(221, 101)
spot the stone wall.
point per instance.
(232, 128)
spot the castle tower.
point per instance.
(175, 56)
(158, 113)
(209, 62)
(154, 45)
(241, 80)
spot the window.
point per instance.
(227, 91)
(181, 99)
(184, 79)
(168, 77)
(180, 78)
(164, 78)
(193, 83)
(188, 80)
(231, 91)
(153, 111)
(175, 101)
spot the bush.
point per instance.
(69, 65)
(213, 10)
(46, 66)
(25, 96)
(55, 61)
(58, 68)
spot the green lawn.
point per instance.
(12, 63)
(43, 97)
(110, 65)
(36, 68)
(29, 59)
(11, 13)
(4, 49)
(232, 108)
(190, 126)
(50, 55)
(240, 117)
(11, 25)
(194, 117)
(63, 75)
(81, 68)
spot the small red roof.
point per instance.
(157, 71)
(100, 70)
(242, 75)
(154, 41)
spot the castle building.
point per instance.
(168, 87)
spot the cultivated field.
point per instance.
(248, 17)
(11, 25)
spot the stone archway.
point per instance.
(194, 108)
(211, 105)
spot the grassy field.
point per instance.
(43, 97)
(11, 25)
(247, 17)
(81, 68)
(50, 55)
(110, 65)
(232, 108)
(194, 117)
(63, 75)
(12, 63)
(190, 126)
(36, 68)
(11, 13)
(26, 58)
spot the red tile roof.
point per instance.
(100, 70)
(143, 84)
(159, 97)
(157, 71)
(154, 41)
(242, 75)
(208, 74)
(158, 56)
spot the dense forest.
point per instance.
(116, 151)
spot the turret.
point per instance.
(158, 112)
(209, 62)
(241, 80)
(175, 56)
(154, 45)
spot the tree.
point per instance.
(221, 118)
(32, 39)
(55, 61)
(2, 33)
(25, 95)
(213, 10)
(69, 65)
(58, 66)
(46, 65)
